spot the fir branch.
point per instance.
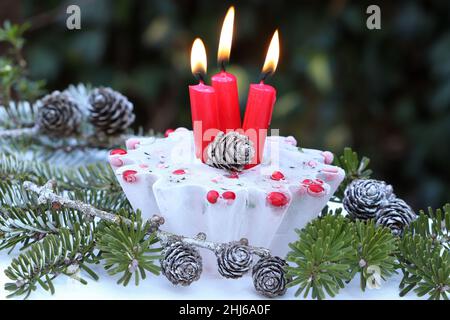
(354, 169)
(424, 256)
(46, 194)
(375, 249)
(434, 224)
(128, 249)
(426, 267)
(12, 133)
(94, 183)
(33, 223)
(58, 254)
(322, 255)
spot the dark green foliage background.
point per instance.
(385, 93)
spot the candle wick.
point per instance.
(263, 76)
(200, 77)
(222, 65)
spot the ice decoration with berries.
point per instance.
(263, 204)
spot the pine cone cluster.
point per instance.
(269, 277)
(231, 151)
(363, 198)
(110, 112)
(371, 199)
(396, 216)
(58, 115)
(181, 264)
(234, 260)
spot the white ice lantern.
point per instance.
(170, 181)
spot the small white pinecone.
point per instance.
(110, 111)
(58, 115)
(231, 151)
(269, 277)
(181, 263)
(234, 260)
(396, 215)
(363, 198)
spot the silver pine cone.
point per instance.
(230, 151)
(396, 215)
(269, 277)
(181, 263)
(234, 260)
(110, 112)
(363, 198)
(58, 115)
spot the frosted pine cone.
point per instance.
(234, 260)
(58, 115)
(396, 215)
(182, 263)
(231, 151)
(365, 197)
(110, 111)
(269, 277)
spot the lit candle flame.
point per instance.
(226, 37)
(273, 54)
(198, 58)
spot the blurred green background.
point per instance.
(386, 93)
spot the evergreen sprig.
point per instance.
(424, 255)
(129, 250)
(375, 249)
(58, 254)
(322, 255)
(31, 224)
(95, 183)
(354, 169)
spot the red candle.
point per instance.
(225, 83)
(258, 114)
(260, 102)
(203, 103)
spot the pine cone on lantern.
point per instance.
(110, 111)
(269, 277)
(396, 215)
(231, 151)
(181, 264)
(363, 198)
(234, 260)
(58, 115)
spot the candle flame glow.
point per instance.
(198, 58)
(273, 54)
(226, 37)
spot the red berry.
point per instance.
(316, 188)
(168, 131)
(277, 199)
(307, 182)
(129, 175)
(117, 152)
(179, 172)
(277, 175)
(229, 195)
(232, 175)
(212, 196)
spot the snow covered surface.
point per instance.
(209, 287)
